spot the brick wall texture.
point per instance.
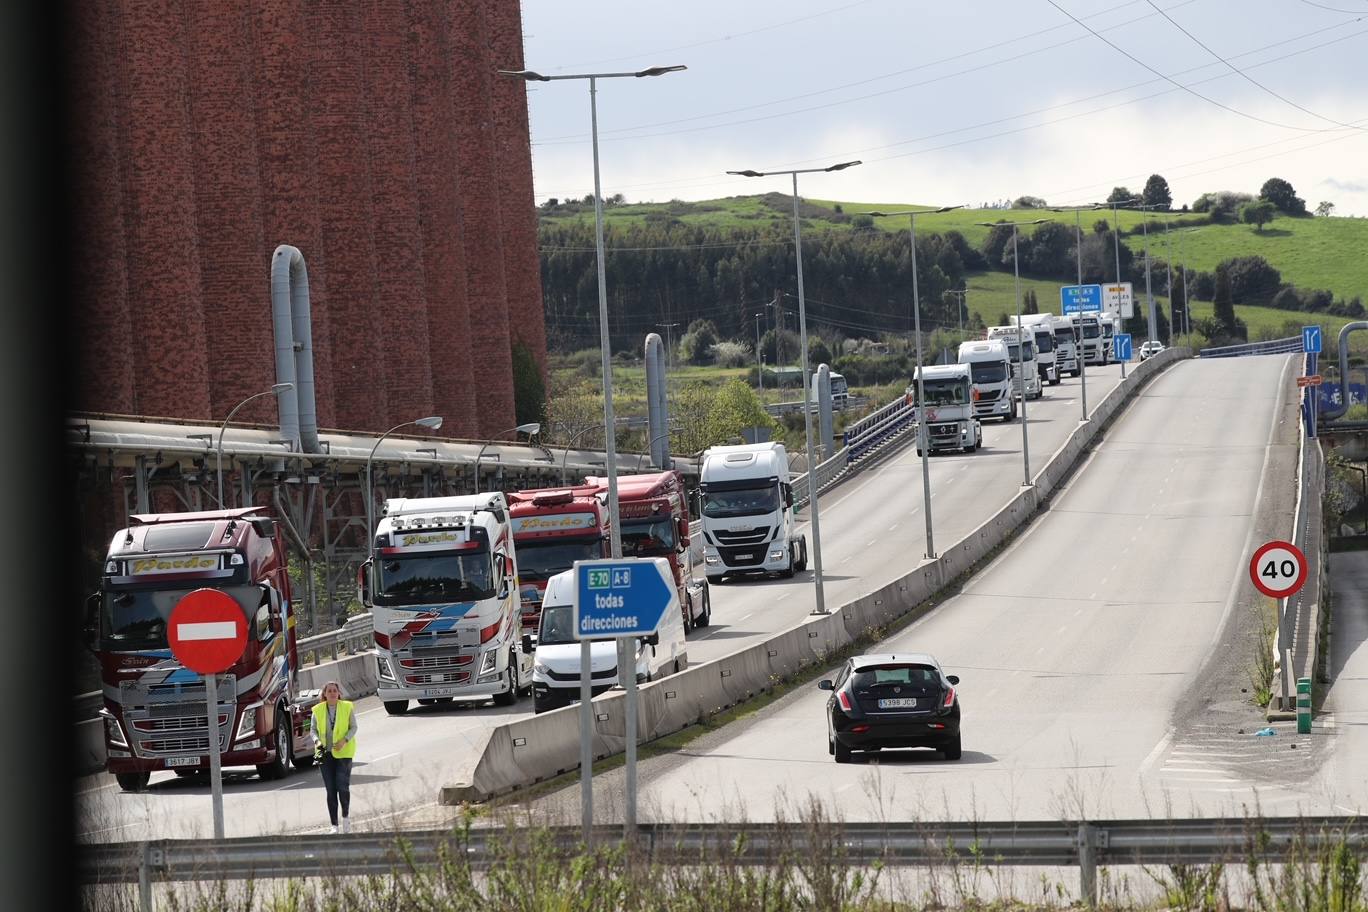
(374, 136)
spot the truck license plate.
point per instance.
(745, 557)
(439, 691)
(182, 761)
(898, 703)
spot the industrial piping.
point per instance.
(1330, 414)
(292, 320)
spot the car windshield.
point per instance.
(647, 537)
(944, 392)
(137, 618)
(918, 676)
(557, 626)
(544, 558)
(742, 502)
(428, 578)
(988, 371)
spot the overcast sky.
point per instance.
(954, 102)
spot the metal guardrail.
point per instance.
(1286, 346)
(784, 408)
(1087, 844)
(827, 472)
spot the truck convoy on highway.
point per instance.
(950, 421)
(1048, 356)
(553, 528)
(1025, 367)
(442, 591)
(1111, 325)
(991, 376)
(748, 523)
(154, 711)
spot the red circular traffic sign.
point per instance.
(208, 631)
(1278, 569)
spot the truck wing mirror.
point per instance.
(788, 495)
(651, 640)
(527, 646)
(363, 581)
(91, 626)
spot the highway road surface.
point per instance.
(1076, 647)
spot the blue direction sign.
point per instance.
(1121, 346)
(1080, 299)
(623, 597)
(1311, 339)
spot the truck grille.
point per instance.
(458, 677)
(177, 746)
(175, 723)
(752, 556)
(450, 661)
(750, 537)
(943, 433)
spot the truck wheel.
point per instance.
(304, 762)
(132, 782)
(280, 766)
(510, 696)
(704, 619)
(787, 572)
(1054, 382)
(802, 554)
(715, 579)
(1077, 372)
(396, 707)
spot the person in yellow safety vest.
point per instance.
(333, 726)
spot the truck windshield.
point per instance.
(944, 392)
(838, 386)
(427, 578)
(1044, 342)
(988, 371)
(1064, 336)
(743, 502)
(136, 618)
(557, 626)
(645, 538)
(541, 560)
(1090, 331)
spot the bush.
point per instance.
(863, 220)
(731, 354)
(697, 344)
(818, 352)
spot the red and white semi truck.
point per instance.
(553, 528)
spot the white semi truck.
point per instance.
(1025, 367)
(747, 514)
(950, 421)
(1048, 355)
(991, 376)
(1089, 332)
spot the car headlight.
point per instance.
(247, 725)
(113, 732)
(539, 669)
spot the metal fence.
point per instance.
(1086, 844)
(1286, 346)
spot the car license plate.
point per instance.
(898, 703)
(439, 691)
(182, 761)
(745, 557)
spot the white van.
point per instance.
(556, 665)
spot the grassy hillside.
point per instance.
(1329, 253)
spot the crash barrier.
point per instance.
(1287, 346)
(827, 473)
(785, 408)
(1088, 845)
(535, 748)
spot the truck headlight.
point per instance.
(382, 668)
(247, 725)
(113, 732)
(776, 555)
(489, 665)
(710, 559)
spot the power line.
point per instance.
(1246, 76)
(1189, 90)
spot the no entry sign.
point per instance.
(1278, 569)
(208, 631)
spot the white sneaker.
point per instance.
(346, 824)
(332, 831)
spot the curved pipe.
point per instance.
(292, 319)
(655, 401)
(1338, 411)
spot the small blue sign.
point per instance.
(1080, 299)
(1121, 346)
(1311, 339)
(622, 598)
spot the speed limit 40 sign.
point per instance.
(1278, 569)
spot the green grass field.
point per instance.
(1311, 253)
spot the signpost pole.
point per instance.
(215, 761)
(586, 713)
(627, 660)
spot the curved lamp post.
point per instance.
(276, 389)
(531, 429)
(566, 455)
(434, 422)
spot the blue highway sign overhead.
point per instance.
(1121, 346)
(1311, 339)
(622, 597)
(1080, 299)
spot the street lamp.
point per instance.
(530, 429)
(433, 422)
(922, 442)
(609, 443)
(276, 389)
(1078, 347)
(759, 363)
(566, 456)
(803, 345)
(1021, 340)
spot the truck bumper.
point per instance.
(121, 760)
(760, 558)
(993, 408)
(545, 697)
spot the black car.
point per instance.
(902, 700)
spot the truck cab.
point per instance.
(443, 593)
(1021, 353)
(1089, 332)
(950, 421)
(154, 713)
(556, 668)
(991, 376)
(1066, 345)
(748, 523)
(553, 528)
(1047, 354)
(654, 513)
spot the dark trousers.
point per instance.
(337, 782)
